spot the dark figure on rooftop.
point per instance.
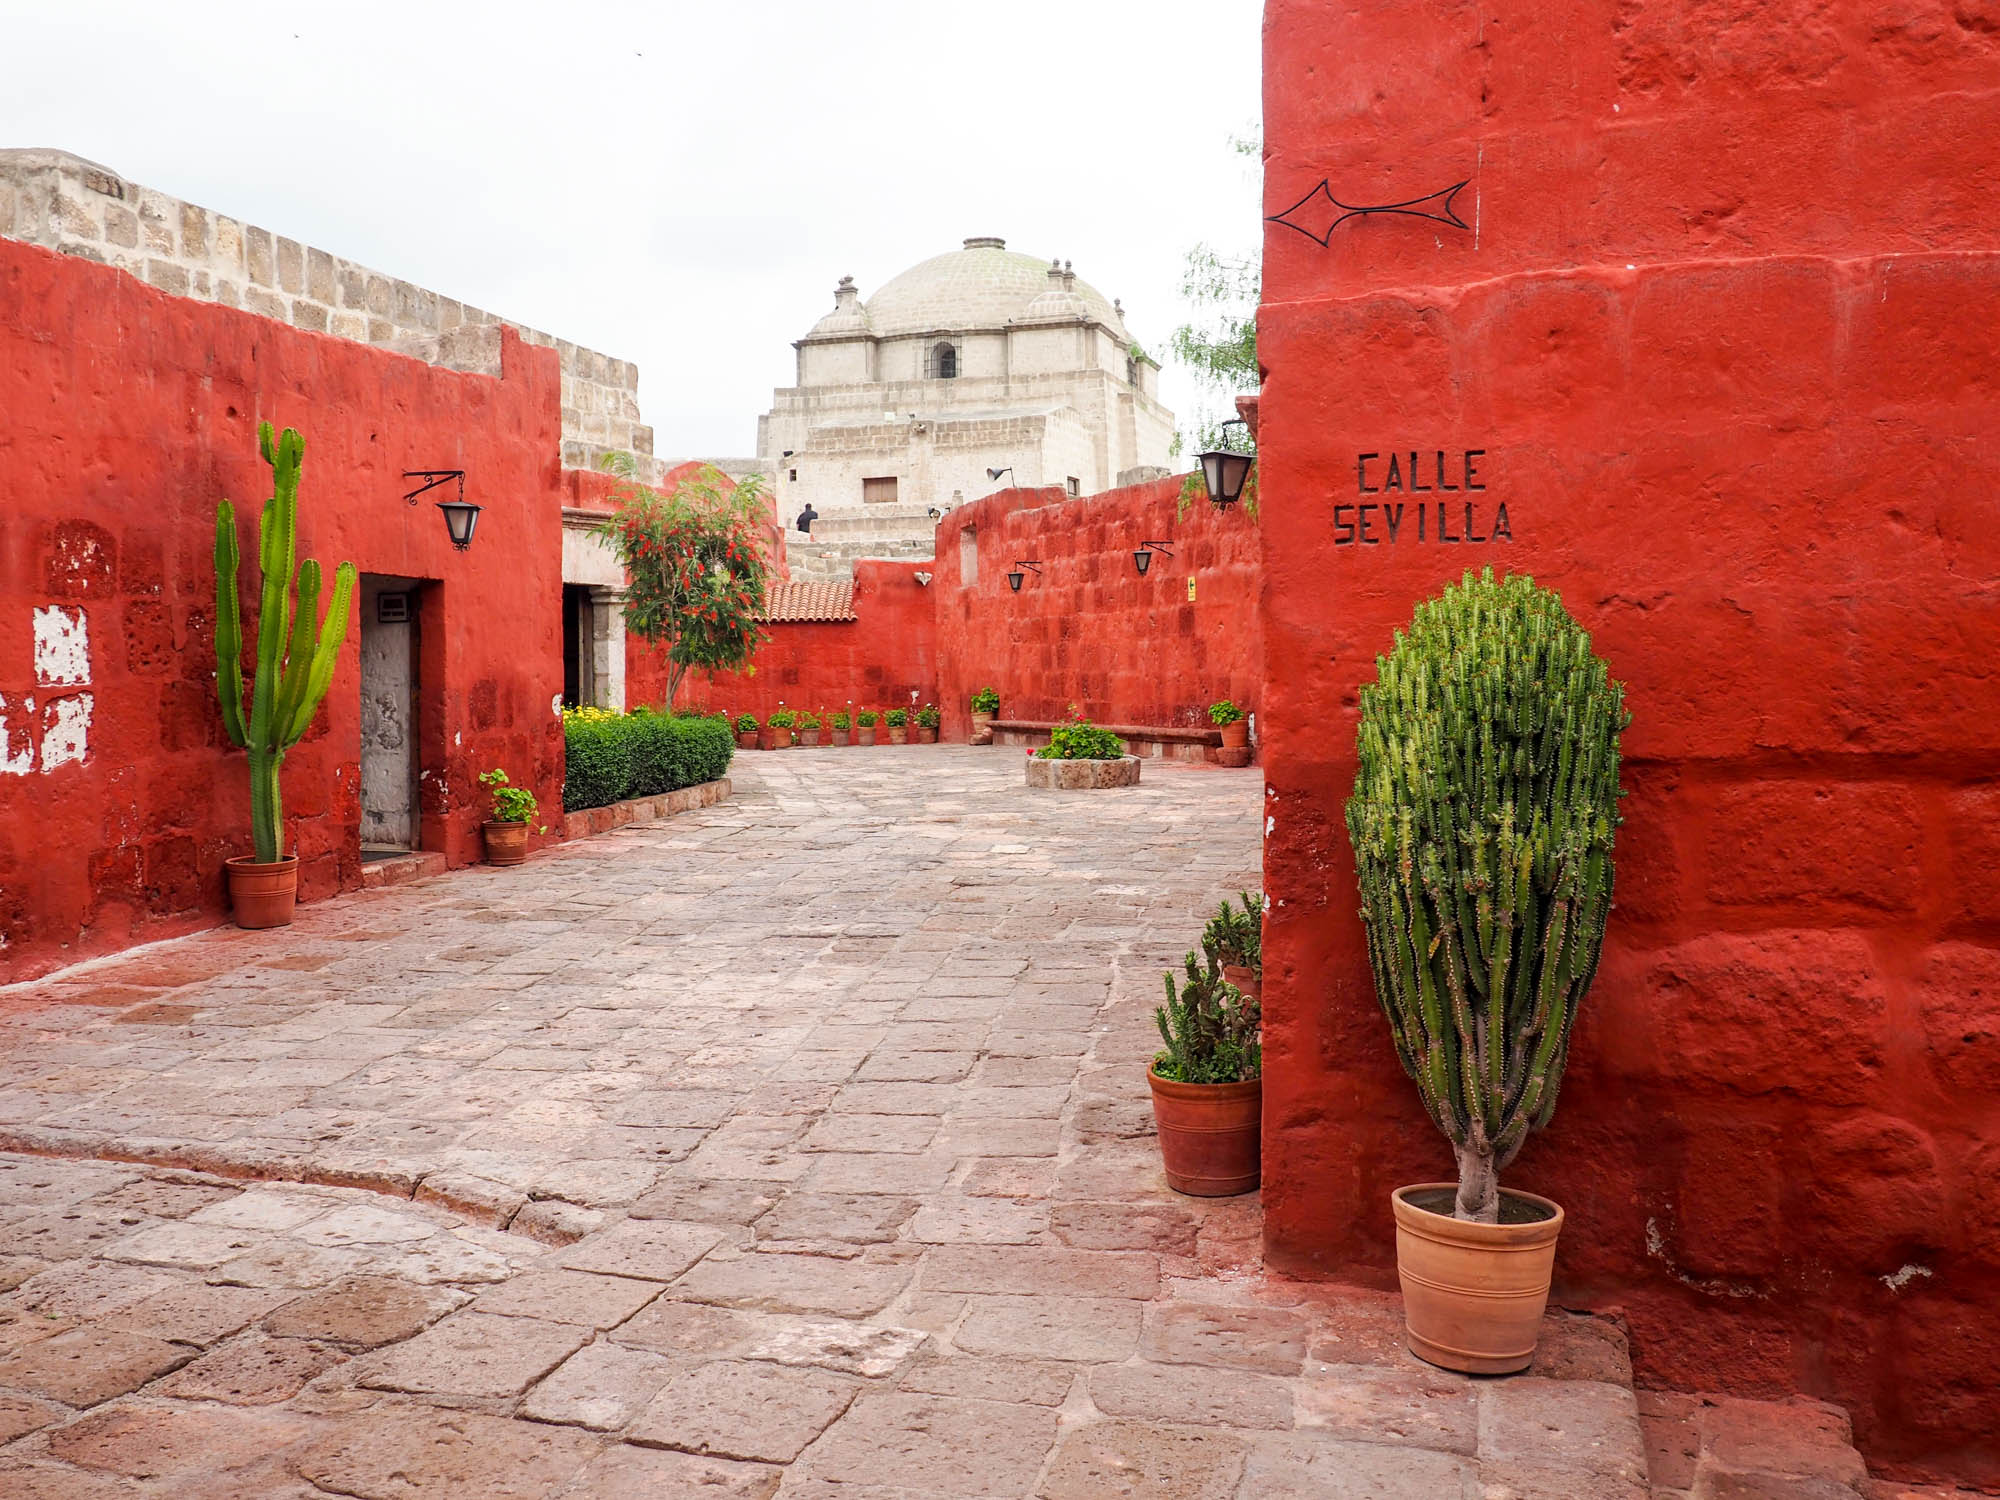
(806, 519)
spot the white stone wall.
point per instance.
(77, 207)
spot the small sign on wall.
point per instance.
(1190, 590)
(392, 609)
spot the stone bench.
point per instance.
(1148, 741)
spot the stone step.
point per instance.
(1699, 1445)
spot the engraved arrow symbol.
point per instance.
(1321, 206)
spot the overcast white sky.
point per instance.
(674, 183)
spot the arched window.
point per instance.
(944, 362)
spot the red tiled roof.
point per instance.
(796, 601)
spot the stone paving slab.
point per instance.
(798, 1147)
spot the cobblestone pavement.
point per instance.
(795, 1146)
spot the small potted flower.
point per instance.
(1233, 938)
(985, 704)
(1208, 1088)
(899, 720)
(514, 812)
(809, 729)
(928, 719)
(865, 721)
(771, 734)
(838, 725)
(784, 721)
(746, 731)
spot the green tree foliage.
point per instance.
(296, 650)
(1482, 821)
(1218, 343)
(699, 577)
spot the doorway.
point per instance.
(579, 646)
(388, 716)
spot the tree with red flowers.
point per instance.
(698, 575)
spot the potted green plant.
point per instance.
(746, 731)
(838, 725)
(514, 813)
(1235, 728)
(296, 655)
(1483, 817)
(985, 704)
(1207, 1085)
(781, 725)
(808, 727)
(1081, 755)
(898, 720)
(864, 733)
(1233, 938)
(928, 719)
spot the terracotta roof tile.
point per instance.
(790, 603)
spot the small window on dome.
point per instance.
(944, 362)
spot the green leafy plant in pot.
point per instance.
(1208, 1084)
(1482, 821)
(746, 731)
(985, 704)
(297, 652)
(514, 814)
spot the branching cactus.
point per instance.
(296, 650)
(1211, 1029)
(1482, 820)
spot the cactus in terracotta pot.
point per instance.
(296, 650)
(1482, 821)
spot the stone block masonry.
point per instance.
(77, 207)
(1739, 402)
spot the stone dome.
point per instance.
(984, 285)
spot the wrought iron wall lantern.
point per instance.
(996, 473)
(1142, 559)
(460, 515)
(1030, 564)
(1224, 471)
(923, 580)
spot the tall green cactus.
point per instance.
(1482, 821)
(296, 651)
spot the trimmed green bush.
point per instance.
(611, 757)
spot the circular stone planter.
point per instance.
(1082, 775)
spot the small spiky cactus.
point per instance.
(1235, 936)
(1482, 821)
(1210, 1028)
(296, 651)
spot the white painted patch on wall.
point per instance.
(66, 731)
(1269, 824)
(62, 646)
(1895, 1281)
(555, 705)
(17, 737)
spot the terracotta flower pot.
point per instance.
(1236, 736)
(772, 739)
(263, 895)
(1245, 979)
(982, 729)
(1235, 758)
(1209, 1134)
(809, 738)
(898, 736)
(926, 736)
(747, 741)
(506, 843)
(836, 737)
(865, 735)
(1474, 1294)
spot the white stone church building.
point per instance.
(979, 359)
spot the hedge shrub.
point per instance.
(615, 756)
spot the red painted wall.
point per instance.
(874, 661)
(1088, 630)
(1721, 324)
(125, 414)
